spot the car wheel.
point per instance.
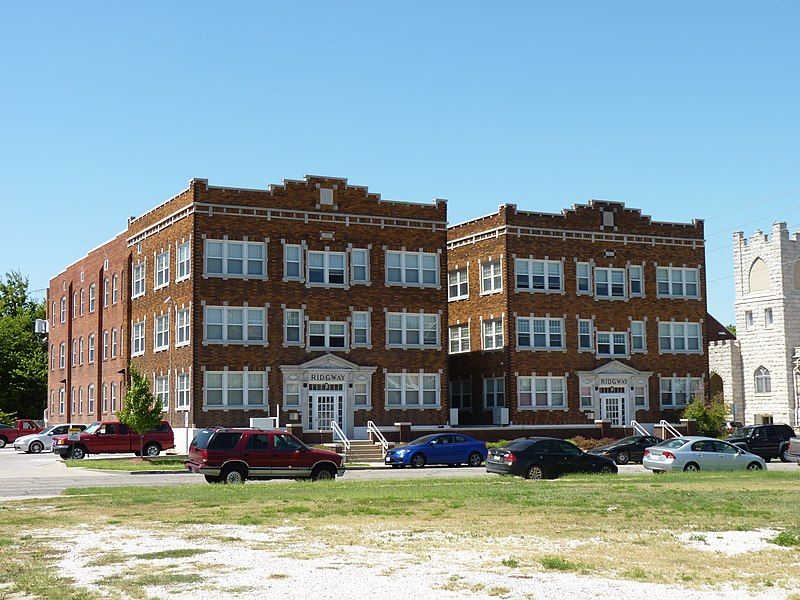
(232, 476)
(212, 478)
(691, 467)
(606, 470)
(418, 461)
(754, 466)
(35, 447)
(622, 458)
(3, 442)
(323, 474)
(785, 455)
(152, 450)
(77, 453)
(475, 459)
(534, 472)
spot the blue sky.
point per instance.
(682, 109)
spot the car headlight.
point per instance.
(402, 452)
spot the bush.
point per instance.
(587, 444)
(497, 444)
(710, 416)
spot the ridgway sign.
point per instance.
(326, 377)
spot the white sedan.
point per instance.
(694, 453)
(43, 441)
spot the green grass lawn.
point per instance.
(130, 464)
(626, 524)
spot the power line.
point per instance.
(764, 201)
(786, 262)
(754, 221)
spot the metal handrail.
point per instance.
(337, 432)
(639, 429)
(670, 428)
(372, 428)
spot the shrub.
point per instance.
(587, 444)
(787, 538)
(497, 444)
(710, 417)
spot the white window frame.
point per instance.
(300, 270)
(458, 338)
(114, 342)
(139, 273)
(80, 350)
(225, 378)
(161, 272)
(62, 400)
(354, 252)
(494, 393)
(91, 348)
(137, 338)
(161, 390)
(226, 259)
(366, 327)
(115, 288)
(530, 385)
(405, 268)
(669, 276)
(106, 292)
(82, 301)
(583, 271)
(524, 267)
(326, 333)
(90, 399)
(92, 297)
(246, 340)
(425, 319)
(460, 394)
(62, 356)
(113, 397)
(63, 309)
(669, 330)
(300, 341)
(183, 264)
(291, 393)
(549, 334)
(495, 273)
(612, 343)
(492, 328)
(458, 279)
(642, 334)
(161, 332)
(609, 273)
(691, 385)
(589, 346)
(327, 255)
(183, 386)
(105, 344)
(182, 326)
(632, 271)
(411, 383)
(762, 380)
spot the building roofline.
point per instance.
(88, 252)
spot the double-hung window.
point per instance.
(114, 343)
(609, 282)
(461, 394)
(636, 280)
(678, 391)
(677, 282)
(162, 392)
(292, 262)
(182, 391)
(412, 330)
(92, 297)
(412, 390)
(181, 327)
(492, 334)
(419, 269)
(114, 288)
(227, 258)
(83, 301)
(183, 261)
(90, 399)
(541, 392)
(361, 329)
(326, 268)
(539, 333)
(679, 338)
(638, 341)
(80, 350)
(63, 309)
(74, 353)
(327, 335)
(611, 343)
(138, 282)
(585, 334)
(494, 392)
(137, 338)
(161, 333)
(105, 344)
(234, 389)
(583, 273)
(162, 270)
(359, 265)
(539, 275)
(62, 355)
(234, 325)
(459, 338)
(113, 397)
(291, 393)
(458, 285)
(293, 327)
(491, 277)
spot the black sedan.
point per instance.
(627, 449)
(542, 457)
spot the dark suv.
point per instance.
(767, 441)
(233, 455)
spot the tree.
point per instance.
(142, 410)
(710, 416)
(731, 328)
(23, 357)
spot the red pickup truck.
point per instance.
(113, 437)
(23, 427)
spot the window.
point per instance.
(83, 301)
(459, 338)
(412, 268)
(461, 394)
(114, 343)
(63, 309)
(62, 355)
(586, 396)
(360, 321)
(105, 344)
(162, 270)
(491, 277)
(768, 317)
(636, 280)
(293, 327)
(492, 334)
(226, 258)
(137, 339)
(539, 275)
(326, 268)
(74, 353)
(235, 389)
(612, 344)
(583, 271)
(137, 275)
(52, 357)
(72, 402)
(181, 327)
(162, 392)
(639, 396)
(540, 333)
(412, 330)
(763, 381)
(359, 265)
(541, 392)
(678, 391)
(412, 390)
(74, 305)
(234, 325)
(114, 288)
(92, 297)
(80, 350)
(585, 334)
(680, 338)
(106, 292)
(458, 284)
(609, 283)
(638, 343)
(675, 282)
(161, 333)
(91, 348)
(285, 443)
(494, 392)
(113, 397)
(90, 399)
(184, 262)
(53, 312)
(182, 391)
(748, 319)
(105, 398)
(324, 335)
(291, 394)
(61, 400)
(292, 262)
(361, 395)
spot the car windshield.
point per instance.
(673, 443)
(742, 432)
(48, 431)
(631, 439)
(422, 440)
(93, 427)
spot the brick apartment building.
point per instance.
(594, 314)
(315, 298)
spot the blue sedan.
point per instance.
(438, 449)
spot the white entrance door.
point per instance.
(614, 410)
(327, 407)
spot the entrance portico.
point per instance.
(614, 392)
(327, 388)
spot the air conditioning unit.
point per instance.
(500, 416)
(453, 417)
(41, 326)
(264, 423)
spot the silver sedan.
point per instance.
(43, 441)
(694, 453)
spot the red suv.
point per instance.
(233, 455)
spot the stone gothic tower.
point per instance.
(767, 280)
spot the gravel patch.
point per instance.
(730, 543)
